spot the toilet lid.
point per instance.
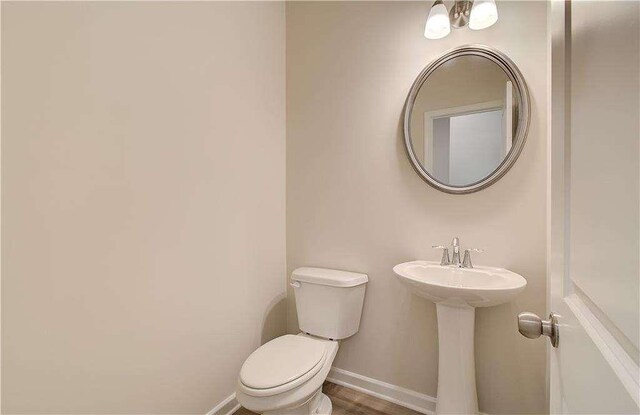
(280, 361)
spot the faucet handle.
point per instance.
(466, 262)
(445, 254)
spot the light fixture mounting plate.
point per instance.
(460, 13)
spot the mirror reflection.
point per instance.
(463, 121)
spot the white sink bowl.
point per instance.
(457, 292)
(475, 287)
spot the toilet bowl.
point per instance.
(285, 375)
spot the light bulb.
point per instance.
(484, 13)
(438, 25)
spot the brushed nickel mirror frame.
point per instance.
(523, 116)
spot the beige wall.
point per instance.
(355, 203)
(143, 202)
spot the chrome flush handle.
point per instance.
(294, 284)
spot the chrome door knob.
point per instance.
(532, 327)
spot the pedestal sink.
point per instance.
(457, 292)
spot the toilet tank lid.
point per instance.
(330, 277)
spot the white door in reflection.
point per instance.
(476, 146)
(467, 147)
(465, 144)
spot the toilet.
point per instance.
(285, 375)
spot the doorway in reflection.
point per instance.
(466, 146)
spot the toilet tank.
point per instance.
(328, 301)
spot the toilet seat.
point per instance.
(282, 364)
(290, 396)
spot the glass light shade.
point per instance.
(438, 25)
(484, 13)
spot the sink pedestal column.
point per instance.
(456, 360)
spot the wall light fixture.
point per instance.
(477, 14)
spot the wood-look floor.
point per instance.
(350, 402)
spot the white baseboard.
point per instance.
(226, 407)
(419, 402)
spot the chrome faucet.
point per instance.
(455, 260)
(455, 245)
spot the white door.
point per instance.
(594, 216)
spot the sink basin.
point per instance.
(457, 292)
(476, 287)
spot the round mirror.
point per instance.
(466, 119)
